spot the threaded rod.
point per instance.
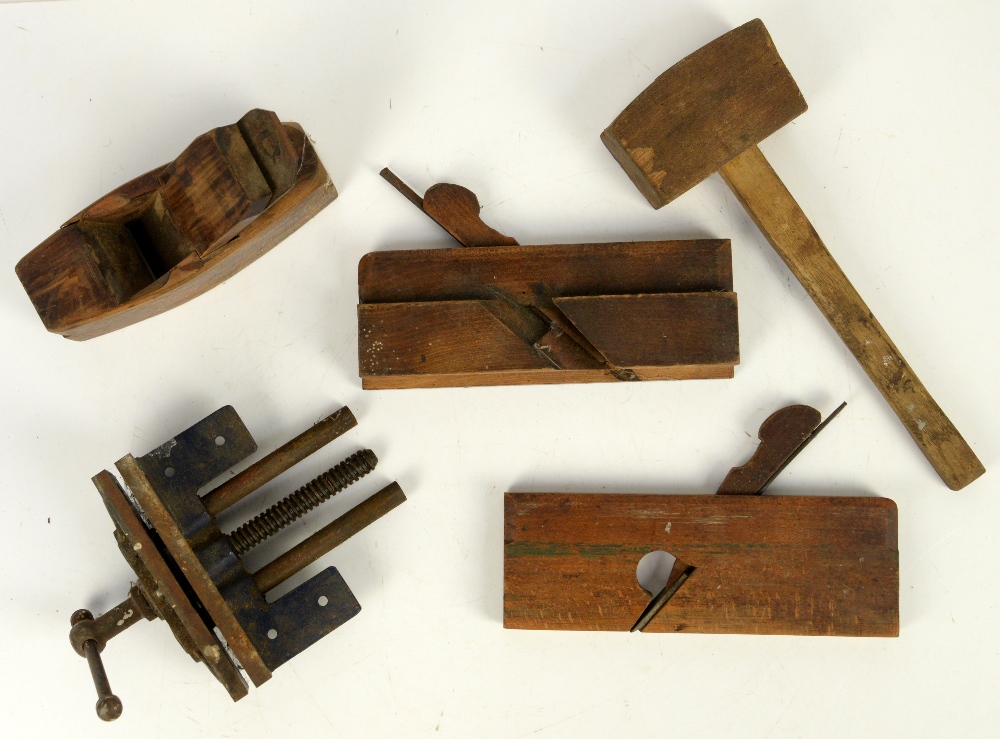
(307, 497)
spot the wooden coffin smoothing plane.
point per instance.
(744, 563)
(178, 230)
(504, 314)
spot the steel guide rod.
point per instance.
(280, 460)
(332, 535)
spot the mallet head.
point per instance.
(704, 111)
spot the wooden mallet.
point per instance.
(707, 113)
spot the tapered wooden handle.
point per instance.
(779, 217)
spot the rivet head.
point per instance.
(272, 634)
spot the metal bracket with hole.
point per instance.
(745, 563)
(192, 575)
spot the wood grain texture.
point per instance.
(763, 565)
(153, 243)
(188, 626)
(781, 435)
(621, 268)
(438, 339)
(708, 112)
(728, 95)
(456, 209)
(545, 314)
(214, 189)
(197, 578)
(786, 227)
(544, 376)
(273, 150)
(662, 329)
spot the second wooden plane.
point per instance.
(505, 314)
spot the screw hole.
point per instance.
(323, 600)
(272, 634)
(220, 440)
(169, 472)
(653, 571)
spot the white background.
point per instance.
(894, 162)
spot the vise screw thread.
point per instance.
(297, 504)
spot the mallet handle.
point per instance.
(779, 217)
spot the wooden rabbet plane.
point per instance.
(179, 230)
(505, 314)
(743, 563)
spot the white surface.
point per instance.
(893, 162)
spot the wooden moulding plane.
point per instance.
(707, 114)
(745, 563)
(179, 230)
(505, 314)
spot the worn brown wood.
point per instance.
(653, 330)
(197, 577)
(273, 150)
(730, 94)
(618, 268)
(177, 609)
(707, 113)
(179, 230)
(211, 192)
(454, 208)
(641, 333)
(457, 209)
(815, 566)
(781, 435)
(546, 314)
(543, 377)
(786, 227)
